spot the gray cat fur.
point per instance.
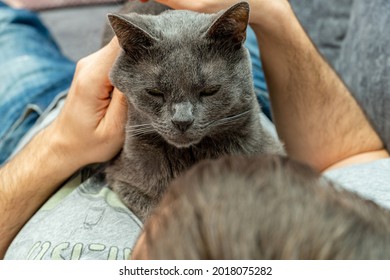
(181, 54)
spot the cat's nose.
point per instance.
(183, 125)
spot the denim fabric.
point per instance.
(261, 89)
(32, 73)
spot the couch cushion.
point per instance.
(326, 22)
(364, 61)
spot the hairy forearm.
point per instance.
(315, 114)
(28, 180)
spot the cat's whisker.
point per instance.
(229, 119)
(156, 137)
(140, 134)
(139, 130)
(140, 125)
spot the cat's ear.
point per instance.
(231, 26)
(132, 38)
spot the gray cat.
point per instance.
(187, 80)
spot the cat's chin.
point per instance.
(182, 143)
(182, 146)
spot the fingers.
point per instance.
(111, 129)
(104, 57)
(108, 52)
(176, 4)
(117, 110)
(204, 6)
(96, 67)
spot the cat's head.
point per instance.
(186, 74)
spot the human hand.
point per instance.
(258, 7)
(204, 6)
(90, 127)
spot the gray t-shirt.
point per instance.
(369, 180)
(85, 221)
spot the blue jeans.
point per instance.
(260, 84)
(32, 73)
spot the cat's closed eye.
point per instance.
(155, 93)
(210, 91)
